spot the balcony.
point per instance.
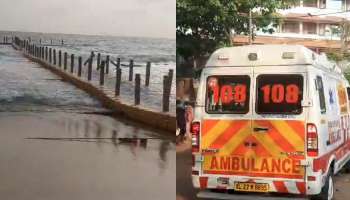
(315, 43)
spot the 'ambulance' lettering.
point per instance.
(267, 165)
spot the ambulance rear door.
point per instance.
(277, 144)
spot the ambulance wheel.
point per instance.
(327, 192)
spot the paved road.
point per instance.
(57, 143)
(185, 191)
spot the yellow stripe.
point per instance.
(269, 144)
(215, 132)
(289, 134)
(233, 143)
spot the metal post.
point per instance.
(165, 94)
(118, 81)
(46, 53)
(54, 56)
(137, 89)
(102, 73)
(131, 70)
(60, 58)
(171, 74)
(90, 67)
(50, 55)
(72, 63)
(118, 62)
(79, 66)
(148, 73)
(107, 64)
(65, 61)
(98, 61)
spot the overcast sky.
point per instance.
(148, 18)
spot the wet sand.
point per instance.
(79, 168)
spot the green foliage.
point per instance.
(338, 56)
(205, 25)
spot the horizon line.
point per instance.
(86, 34)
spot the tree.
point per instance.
(344, 36)
(205, 25)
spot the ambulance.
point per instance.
(269, 120)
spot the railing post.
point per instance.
(137, 89)
(118, 62)
(131, 69)
(90, 66)
(50, 55)
(46, 53)
(65, 61)
(54, 56)
(102, 73)
(148, 73)
(59, 59)
(79, 66)
(98, 61)
(118, 81)
(107, 64)
(165, 94)
(171, 74)
(72, 63)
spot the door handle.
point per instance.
(260, 129)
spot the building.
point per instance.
(312, 23)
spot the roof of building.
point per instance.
(276, 39)
(269, 55)
(315, 14)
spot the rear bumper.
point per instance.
(214, 195)
(286, 186)
(283, 186)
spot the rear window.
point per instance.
(228, 94)
(279, 94)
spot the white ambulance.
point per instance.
(269, 119)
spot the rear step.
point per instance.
(215, 195)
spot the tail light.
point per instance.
(312, 140)
(195, 130)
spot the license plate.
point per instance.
(251, 187)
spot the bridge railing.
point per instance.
(49, 55)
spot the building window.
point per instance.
(322, 29)
(309, 28)
(290, 27)
(310, 3)
(335, 30)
